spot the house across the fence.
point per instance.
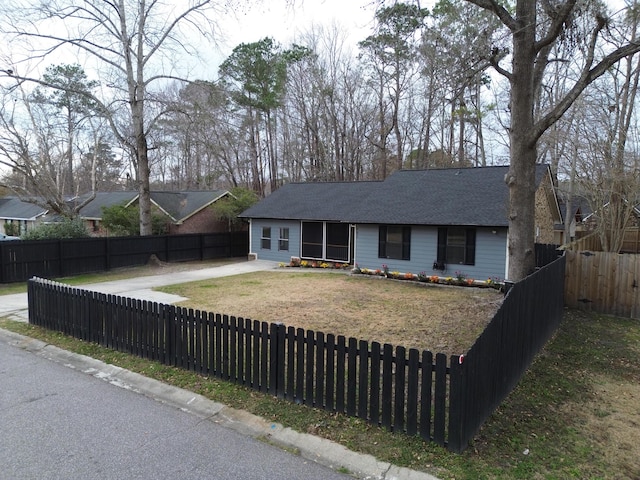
(185, 212)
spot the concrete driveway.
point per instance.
(15, 306)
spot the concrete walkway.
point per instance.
(314, 448)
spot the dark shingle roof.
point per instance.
(12, 208)
(467, 196)
(332, 201)
(93, 209)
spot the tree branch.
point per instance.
(558, 16)
(586, 78)
(494, 7)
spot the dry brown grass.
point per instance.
(443, 319)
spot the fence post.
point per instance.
(1, 263)
(440, 399)
(457, 402)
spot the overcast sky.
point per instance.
(275, 19)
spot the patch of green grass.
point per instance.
(538, 431)
(11, 288)
(116, 274)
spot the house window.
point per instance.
(394, 242)
(265, 240)
(457, 245)
(283, 241)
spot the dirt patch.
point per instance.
(442, 319)
(613, 424)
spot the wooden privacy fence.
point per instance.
(21, 260)
(603, 282)
(404, 391)
(591, 241)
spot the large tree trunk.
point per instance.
(521, 176)
(144, 194)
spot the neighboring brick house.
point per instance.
(187, 212)
(547, 211)
(191, 212)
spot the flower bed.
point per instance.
(298, 262)
(459, 278)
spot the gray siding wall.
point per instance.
(490, 262)
(273, 253)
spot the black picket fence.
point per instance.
(392, 387)
(21, 260)
(403, 391)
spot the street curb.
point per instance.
(316, 449)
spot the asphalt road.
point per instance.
(60, 423)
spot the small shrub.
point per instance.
(12, 229)
(67, 228)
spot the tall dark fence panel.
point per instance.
(546, 253)
(21, 260)
(529, 315)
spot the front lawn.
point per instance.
(442, 319)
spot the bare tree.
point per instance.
(30, 147)
(133, 43)
(607, 172)
(535, 27)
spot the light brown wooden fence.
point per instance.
(631, 243)
(603, 282)
(591, 241)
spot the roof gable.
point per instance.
(178, 206)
